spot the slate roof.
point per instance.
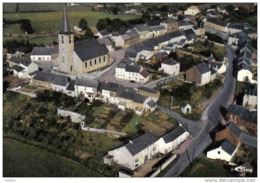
(151, 90)
(245, 66)
(133, 68)
(142, 28)
(249, 116)
(44, 51)
(115, 33)
(174, 134)
(130, 35)
(157, 28)
(106, 41)
(235, 109)
(22, 61)
(90, 48)
(60, 80)
(127, 61)
(185, 23)
(217, 22)
(17, 68)
(160, 54)
(210, 59)
(228, 147)
(65, 25)
(121, 65)
(132, 95)
(236, 26)
(152, 103)
(44, 76)
(170, 61)
(203, 68)
(141, 142)
(71, 86)
(87, 82)
(234, 129)
(104, 32)
(144, 73)
(109, 86)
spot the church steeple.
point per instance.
(65, 25)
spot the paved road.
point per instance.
(211, 117)
(109, 74)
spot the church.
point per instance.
(80, 57)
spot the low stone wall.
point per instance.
(102, 131)
(75, 117)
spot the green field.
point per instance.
(22, 160)
(51, 21)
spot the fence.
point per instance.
(103, 131)
(164, 165)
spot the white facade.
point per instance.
(222, 69)
(32, 67)
(220, 154)
(250, 101)
(123, 157)
(59, 88)
(118, 40)
(88, 92)
(205, 78)
(40, 57)
(171, 69)
(165, 148)
(108, 97)
(144, 55)
(186, 109)
(121, 73)
(244, 75)
(233, 40)
(192, 10)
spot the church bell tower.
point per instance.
(66, 47)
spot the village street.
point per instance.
(211, 117)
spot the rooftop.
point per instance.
(141, 142)
(87, 82)
(150, 90)
(44, 51)
(60, 80)
(228, 147)
(170, 61)
(203, 68)
(174, 134)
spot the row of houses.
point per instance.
(140, 100)
(230, 28)
(144, 148)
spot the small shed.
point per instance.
(186, 108)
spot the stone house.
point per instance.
(170, 67)
(217, 24)
(242, 117)
(200, 74)
(136, 152)
(43, 80)
(109, 91)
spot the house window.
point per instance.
(95, 61)
(86, 64)
(99, 59)
(136, 160)
(104, 58)
(218, 152)
(90, 62)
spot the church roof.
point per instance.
(65, 25)
(90, 48)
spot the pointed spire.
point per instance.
(65, 25)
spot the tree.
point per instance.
(26, 26)
(230, 8)
(164, 8)
(83, 24)
(115, 10)
(88, 34)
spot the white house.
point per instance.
(151, 106)
(60, 83)
(250, 101)
(44, 53)
(219, 67)
(86, 87)
(22, 67)
(225, 151)
(109, 92)
(245, 73)
(186, 108)
(170, 67)
(131, 73)
(143, 31)
(172, 140)
(192, 10)
(136, 152)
